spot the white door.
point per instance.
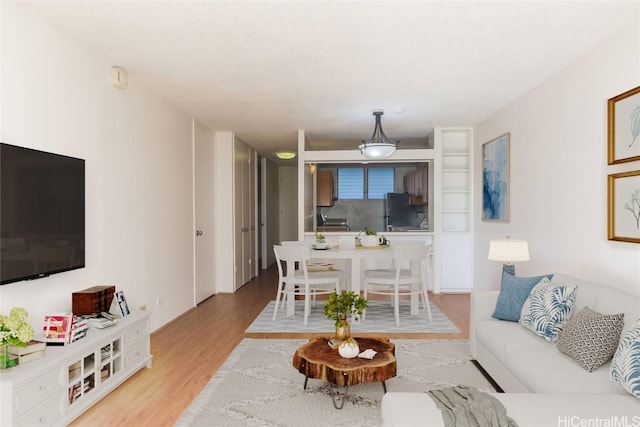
(204, 162)
(288, 203)
(247, 216)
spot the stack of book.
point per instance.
(33, 351)
(102, 321)
(79, 328)
(64, 328)
(57, 328)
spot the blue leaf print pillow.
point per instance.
(547, 309)
(625, 367)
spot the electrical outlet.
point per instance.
(159, 300)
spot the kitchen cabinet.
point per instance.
(324, 189)
(416, 184)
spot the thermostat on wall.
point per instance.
(118, 77)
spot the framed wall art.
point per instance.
(495, 179)
(624, 206)
(623, 135)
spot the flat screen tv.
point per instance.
(41, 213)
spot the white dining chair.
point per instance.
(398, 281)
(301, 281)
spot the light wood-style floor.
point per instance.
(188, 351)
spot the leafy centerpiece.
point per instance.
(339, 306)
(15, 330)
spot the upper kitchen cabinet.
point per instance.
(416, 184)
(324, 190)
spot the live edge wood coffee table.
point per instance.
(317, 360)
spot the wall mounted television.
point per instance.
(42, 213)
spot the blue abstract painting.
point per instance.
(495, 179)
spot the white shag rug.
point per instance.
(379, 318)
(258, 386)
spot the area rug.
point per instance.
(379, 318)
(258, 386)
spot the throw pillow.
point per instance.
(547, 309)
(591, 338)
(625, 368)
(513, 293)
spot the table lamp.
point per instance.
(508, 251)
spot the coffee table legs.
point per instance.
(335, 396)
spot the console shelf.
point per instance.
(69, 379)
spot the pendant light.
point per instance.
(379, 146)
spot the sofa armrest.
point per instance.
(483, 303)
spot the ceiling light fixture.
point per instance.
(286, 155)
(379, 146)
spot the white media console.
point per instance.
(69, 379)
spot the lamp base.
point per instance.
(509, 269)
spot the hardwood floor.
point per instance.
(188, 351)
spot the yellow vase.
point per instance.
(343, 330)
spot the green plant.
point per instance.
(339, 305)
(370, 231)
(15, 330)
(320, 238)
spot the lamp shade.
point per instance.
(508, 250)
(377, 150)
(379, 146)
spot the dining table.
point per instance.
(354, 258)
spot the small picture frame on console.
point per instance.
(122, 303)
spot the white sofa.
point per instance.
(543, 387)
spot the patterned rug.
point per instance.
(258, 386)
(379, 318)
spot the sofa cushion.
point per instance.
(591, 338)
(625, 368)
(514, 291)
(498, 336)
(544, 369)
(547, 309)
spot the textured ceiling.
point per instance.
(265, 69)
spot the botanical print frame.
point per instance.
(495, 179)
(624, 206)
(623, 136)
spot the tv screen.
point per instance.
(41, 213)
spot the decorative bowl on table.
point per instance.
(321, 245)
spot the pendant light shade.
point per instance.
(379, 146)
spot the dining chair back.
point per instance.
(301, 281)
(400, 281)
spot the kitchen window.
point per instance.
(351, 183)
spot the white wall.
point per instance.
(139, 225)
(559, 172)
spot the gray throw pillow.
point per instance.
(513, 293)
(591, 338)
